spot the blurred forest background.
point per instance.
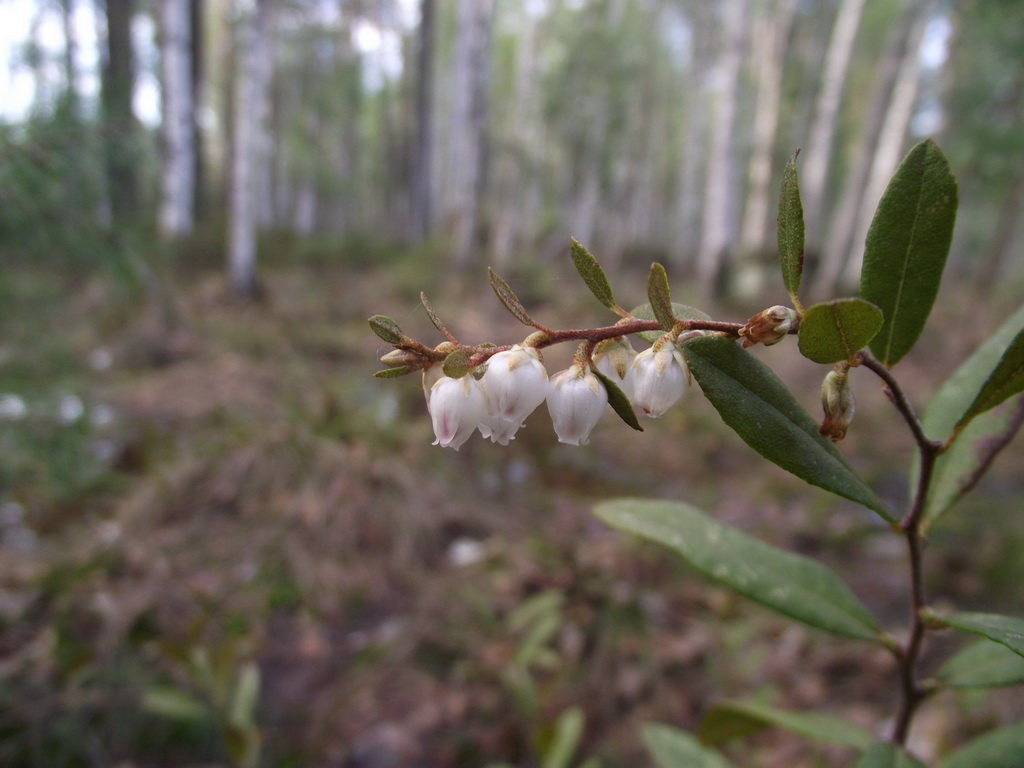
(223, 543)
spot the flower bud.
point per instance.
(839, 404)
(768, 327)
(658, 377)
(515, 384)
(456, 407)
(576, 401)
(613, 358)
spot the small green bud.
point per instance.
(838, 403)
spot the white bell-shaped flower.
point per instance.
(576, 401)
(430, 376)
(515, 384)
(658, 378)
(613, 359)
(498, 429)
(457, 406)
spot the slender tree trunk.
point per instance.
(769, 52)
(718, 200)
(422, 197)
(469, 113)
(119, 123)
(252, 58)
(843, 223)
(178, 124)
(67, 10)
(816, 161)
(1006, 228)
(891, 143)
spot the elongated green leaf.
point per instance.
(1008, 630)
(757, 405)
(508, 297)
(983, 664)
(1004, 382)
(660, 296)
(174, 704)
(679, 311)
(457, 364)
(387, 329)
(618, 401)
(906, 248)
(733, 719)
(434, 317)
(1002, 748)
(566, 739)
(675, 748)
(958, 464)
(887, 756)
(837, 330)
(393, 373)
(791, 584)
(791, 230)
(592, 273)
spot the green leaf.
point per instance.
(791, 230)
(959, 463)
(794, 585)
(679, 311)
(434, 318)
(674, 748)
(757, 405)
(457, 364)
(387, 329)
(174, 704)
(983, 664)
(393, 373)
(1008, 630)
(618, 401)
(836, 330)
(246, 696)
(1004, 382)
(592, 273)
(509, 298)
(1002, 748)
(566, 740)
(733, 719)
(907, 246)
(887, 756)
(660, 297)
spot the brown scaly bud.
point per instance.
(768, 327)
(396, 358)
(838, 402)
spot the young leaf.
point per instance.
(791, 584)
(566, 739)
(753, 401)
(509, 298)
(679, 311)
(983, 664)
(1008, 630)
(457, 364)
(836, 330)
(1004, 382)
(434, 318)
(884, 755)
(387, 329)
(674, 748)
(592, 273)
(961, 461)
(906, 248)
(791, 230)
(618, 401)
(660, 296)
(393, 373)
(733, 719)
(1002, 748)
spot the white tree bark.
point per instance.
(175, 216)
(252, 73)
(769, 45)
(718, 202)
(814, 174)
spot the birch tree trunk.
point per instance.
(252, 70)
(178, 124)
(814, 174)
(469, 115)
(421, 206)
(769, 46)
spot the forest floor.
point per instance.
(194, 490)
